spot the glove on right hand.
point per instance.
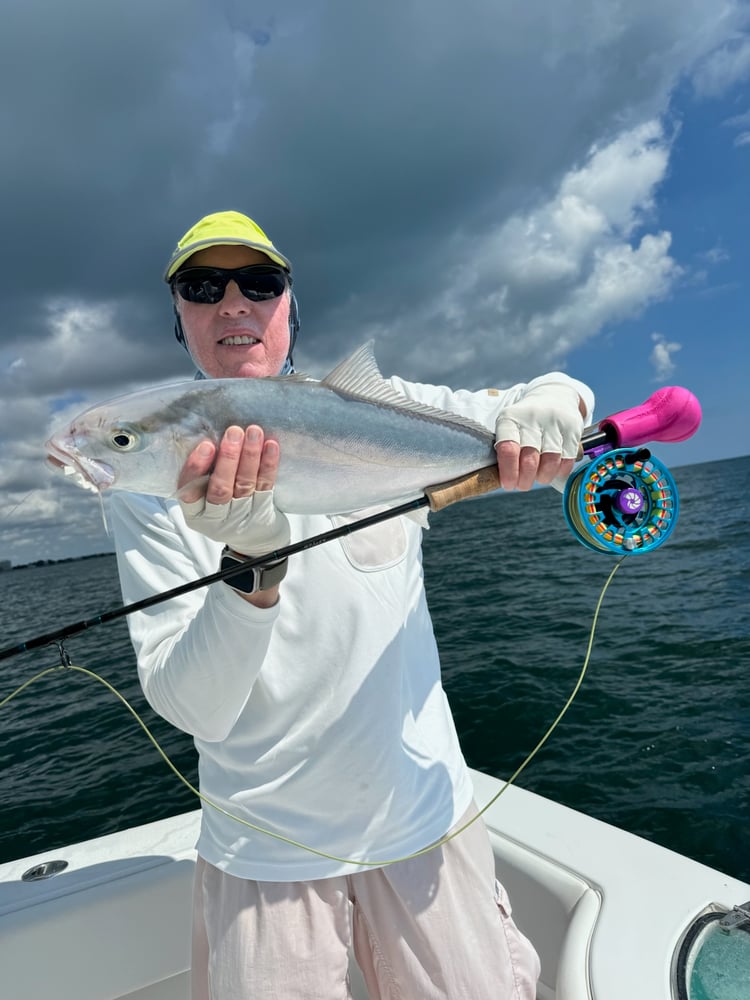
(547, 419)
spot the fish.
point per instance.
(347, 442)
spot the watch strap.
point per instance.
(254, 578)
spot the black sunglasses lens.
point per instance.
(201, 284)
(207, 285)
(260, 282)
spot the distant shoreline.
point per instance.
(53, 562)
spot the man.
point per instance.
(327, 751)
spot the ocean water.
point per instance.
(656, 742)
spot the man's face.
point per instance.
(236, 338)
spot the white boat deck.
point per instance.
(606, 910)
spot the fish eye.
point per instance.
(124, 438)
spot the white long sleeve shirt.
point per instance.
(322, 719)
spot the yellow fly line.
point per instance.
(65, 665)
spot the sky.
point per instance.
(488, 190)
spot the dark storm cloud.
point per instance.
(363, 139)
(391, 152)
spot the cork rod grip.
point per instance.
(472, 485)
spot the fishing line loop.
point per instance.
(65, 663)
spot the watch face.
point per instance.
(247, 582)
(254, 577)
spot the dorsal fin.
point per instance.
(358, 377)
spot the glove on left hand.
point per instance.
(250, 525)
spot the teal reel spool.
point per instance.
(623, 501)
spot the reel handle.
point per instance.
(671, 414)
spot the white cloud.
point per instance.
(715, 255)
(661, 356)
(737, 121)
(723, 67)
(545, 281)
(88, 346)
(740, 122)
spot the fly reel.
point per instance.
(623, 501)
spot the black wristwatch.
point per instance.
(254, 577)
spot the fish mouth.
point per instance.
(87, 473)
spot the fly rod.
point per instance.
(670, 414)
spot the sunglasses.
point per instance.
(207, 285)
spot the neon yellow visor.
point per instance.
(219, 229)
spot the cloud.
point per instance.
(545, 281)
(737, 121)
(661, 356)
(714, 255)
(723, 67)
(478, 187)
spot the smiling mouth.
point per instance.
(239, 341)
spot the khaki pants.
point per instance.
(437, 927)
